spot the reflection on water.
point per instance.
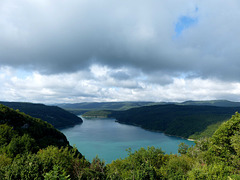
(109, 139)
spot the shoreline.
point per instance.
(132, 124)
(158, 131)
(67, 126)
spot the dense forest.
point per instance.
(33, 149)
(54, 115)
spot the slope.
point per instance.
(218, 103)
(43, 133)
(177, 120)
(54, 115)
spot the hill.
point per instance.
(31, 148)
(178, 120)
(81, 108)
(54, 115)
(43, 133)
(218, 103)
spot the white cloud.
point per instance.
(88, 50)
(86, 86)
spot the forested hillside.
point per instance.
(33, 149)
(26, 153)
(80, 108)
(178, 120)
(54, 115)
(218, 103)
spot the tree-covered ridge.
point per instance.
(52, 114)
(218, 103)
(177, 120)
(97, 114)
(81, 108)
(20, 124)
(33, 149)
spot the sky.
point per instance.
(72, 51)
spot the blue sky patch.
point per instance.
(183, 23)
(23, 74)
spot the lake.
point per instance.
(109, 139)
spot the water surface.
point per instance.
(109, 139)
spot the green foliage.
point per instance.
(95, 170)
(4, 163)
(182, 148)
(26, 166)
(212, 171)
(6, 134)
(235, 143)
(178, 167)
(97, 114)
(49, 163)
(200, 151)
(53, 156)
(56, 174)
(208, 132)
(98, 167)
(225, 142)
(142, 164)
(20, 145)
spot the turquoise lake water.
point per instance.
(109, 139)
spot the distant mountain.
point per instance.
(178, 120)
(219, 103)
(80, 108)
(54, 115)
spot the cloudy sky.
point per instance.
(68, 51)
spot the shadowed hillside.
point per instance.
(177, 120)
(218, 103)
(52, 114)
(43, 133)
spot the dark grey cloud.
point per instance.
(68, 36)
(120, 75)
